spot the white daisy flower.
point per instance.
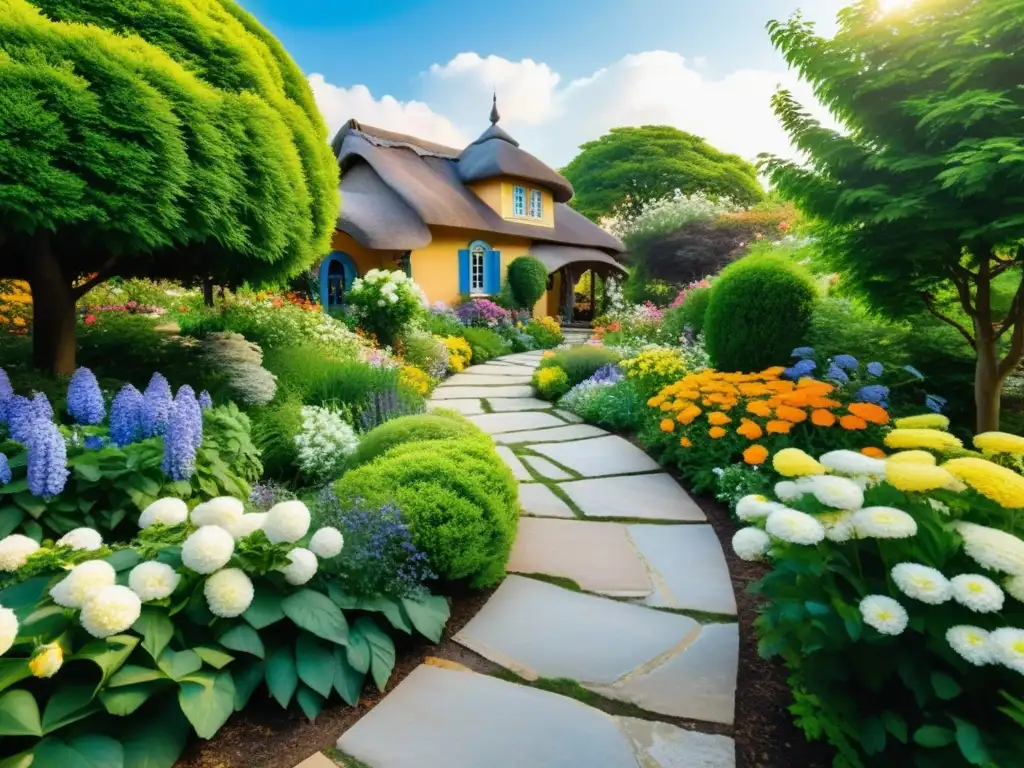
(1014, 587)
(838, 526)
(884, 614)
(1007, 647)
(972, 643)
(979, 593)
(794, 526)
(788, 490)
(922, 583)
(991, 548)
(884, 523)
(751, 543)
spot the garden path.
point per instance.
(619, 591)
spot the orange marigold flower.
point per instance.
(667, 425)
(716, 432)
(666, 406)
(750, 430)
(776, 427)
(852, 422)
(773, 372)
(871, 413)
(789, 413)
(754, 389)
(688, 394)
(685, 442)
(718, 419)
(815, 387)
(875, 453)
(656, 401)
(822, 402)
(688, 414)
(755, 454)
(780, 386)
(759, 408)
(822, 418)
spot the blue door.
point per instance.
(337, 271)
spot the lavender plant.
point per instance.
(85, 400)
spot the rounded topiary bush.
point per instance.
(527, 279)
(458, 498)
(760, 309)
(445, 425)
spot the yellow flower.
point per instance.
(908, 476)
(792, 462)
(716, 432)
(656, 401)
(47, 660)
(415, 378)
(999, 442)
(932, 439)
(913, 457)
(1002, 485)
(717, 419)
(923, 421)
(548, 353)
(667, 425)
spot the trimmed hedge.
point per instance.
(527, 281)
(440, 425)
(485, 343)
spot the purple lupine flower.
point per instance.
(5, 470)
(6, 393)
(126, 416)
(23, 412)
(804, 353)
(935, 403)
(837, 374)
(846, 362)
(872, 393)
(875, 369)
(47, 459)
(179, 450)
(192, 412)
(157, 406)
(913, 371)
(85, 400)
(205, 401)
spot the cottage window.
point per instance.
(518, 201)
(536, 204)
(476, 268)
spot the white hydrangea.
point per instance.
(223, 511)
(228, 592)
(84, 539)
(327, 542)
(83, 582)
(751, 543)
(287, 521)
(884, 614)
(794, 526)
(979, 593)
(838, 526)
(153, 580)
(852, 463)
(15, 550)
(164, 512)
(1014, 587)
(247, 524)
(301, 568)
(755, 507)
(1007, 648)
(991, 548)
(208, 549)
(788, 490)
(922, 583)
(323, 443)
(884, 523)
(836, 492)
(111, 610)
(971, 643)
(8, 629)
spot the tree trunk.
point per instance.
(53, 309)
(988, 385)
(208, 291)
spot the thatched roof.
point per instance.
(554, 257)
(497, 154)
(394, 186)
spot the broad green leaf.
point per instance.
(264, 610)
(391, 609)
(933, 736)
(215, 657)
(132, 674)
(945, 687)
(68, 705)
(382, 651)
(244, 639)
(10, 518)
(316, 613)
(207, 699)
(179, 664)
(20, 760)
(12, 671)
(315, 664)
(310, 702)
(281, 675)
(248, 677)
(895, 725)
(108, 654)
(45, 623)
(358, 649)
(157, 741)
(25, 594)
(128, 698)
(872, 736)
(429, 616)
(19, 714)
(85, 751)
(972, 747)
(124, 559)
(348, 682)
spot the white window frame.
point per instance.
(536, 204)
(518, 200)
(477, 267)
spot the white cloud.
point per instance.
(551, 119)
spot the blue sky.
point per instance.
(407, 49)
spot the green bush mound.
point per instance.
(527, 281)
(440, 425)
(485, 343)
(690, 313)
(580, 363)
(759, 311)
(458, 498)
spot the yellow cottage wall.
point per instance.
(365, 258)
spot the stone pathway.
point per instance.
(617, 587)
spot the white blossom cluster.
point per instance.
(324, 442)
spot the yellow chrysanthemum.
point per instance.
(908, 476)
(1002, 485)
(999, 442)
(913, 457)
(923, 421)
(792, 462)
(932, 439)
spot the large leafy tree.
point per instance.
(624, 170)
(921, 194)
(153, 138)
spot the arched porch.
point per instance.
(566, 265)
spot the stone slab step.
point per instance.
(609, 455)
(653, 497)
(495, 423)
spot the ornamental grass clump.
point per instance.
(896, 599)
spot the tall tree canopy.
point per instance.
(154, 138)
(921, 196)
(624, 170)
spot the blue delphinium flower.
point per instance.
(935, 403)
(846, 362)
(5, 470)
(913, 371)
(93, 442)
(801, 369)
(85, 400)
(875, 369)
(837, 374)
(872, 393)
(6, 393)
(126, 416)
(205, 401)
(804, 353)
(179, 451)
(192, 412)
(47, 459)
(157, 406)
(23, 412)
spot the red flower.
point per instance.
(783, 226)
(89, 319)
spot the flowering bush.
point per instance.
(546, 332)
(485, 343)
(460, 354)
(896, 598)
(191, 619)
(416, 379)
(385, 303)
(324, 443)
(482, 313)
(551, 382)
(655, 368)
(427, 352)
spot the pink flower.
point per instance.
(89, 319)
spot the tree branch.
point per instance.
(961, 279)
(1012, 314)
(929, 302)
(102, 274)
(1014, 317)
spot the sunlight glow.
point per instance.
(887, 6)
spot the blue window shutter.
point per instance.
(464, 270)
(492, 272)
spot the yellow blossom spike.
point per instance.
(999, 442)
(1002, 485)
(792, 462)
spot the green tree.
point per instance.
(920, 196)
(527, 280)
(621, 172)
(152, 138)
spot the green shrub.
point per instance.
(485, 343)
(550, 382)
(427, 352)
(760, 310)
(440, 425)
(545, 332)
(442, 324)
(386, 303)
(309, 375)
(527, 280)
(274, 431)
(458, 498)
(694, 309)
(620, 406)
(580, 363)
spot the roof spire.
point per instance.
(495, 117)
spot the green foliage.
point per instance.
(313, 378)
(739, 480)
(640, 287)
(458, 498)
(551, 382)
(759, 311)
(627, 168)
(620, 407)
(443, 425)
(485, 343)
(527, 279)
(426, 352)
(442, 324)
(386, 303)
(274, 429)
(580, 363)
(690, 314)
(545, 331)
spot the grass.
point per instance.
(573, 690)
(344, 760)
(558, 581)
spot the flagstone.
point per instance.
(599, 557)
(653, 497)
(472, 379)
(494, 423)
(667, 746)
(461, 393)
(538, 499)
(610, 455)
(572, 418)
(566, 432)
(319, 760)
(465, 407)
(493, 369)
(687, 567)
(500, 404)
(545, 468)
(518, 470)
